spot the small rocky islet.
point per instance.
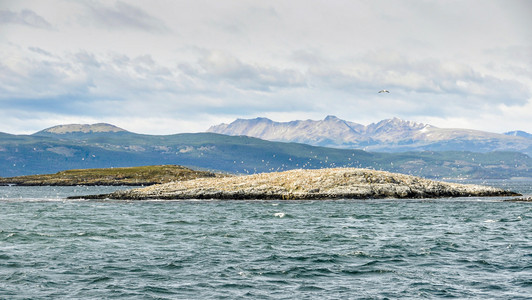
(305, 184)
(521, 199)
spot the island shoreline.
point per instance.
(317, 184)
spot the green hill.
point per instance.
(146, 175)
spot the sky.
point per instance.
(172, 66)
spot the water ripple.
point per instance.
(265, 250)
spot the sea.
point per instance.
(465, 248)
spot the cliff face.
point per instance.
(336, 183)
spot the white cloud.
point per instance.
(202, 61)
(25, 17)
(218, 68)
(123, 15)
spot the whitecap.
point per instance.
(279, 214)
(244, 274)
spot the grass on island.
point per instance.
(146, 175)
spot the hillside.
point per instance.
(38, 154)
(391, 135)
(80, 128)
(519, 133)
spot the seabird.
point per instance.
(384, 91)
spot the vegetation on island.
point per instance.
(131, 176)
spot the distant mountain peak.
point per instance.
(392, 134)
(331, 118)
(258, 120)
(395, 124)
(397, 121)
(82, 128)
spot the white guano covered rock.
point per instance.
(338, 183)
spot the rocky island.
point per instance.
(336, 183)
(522, 199)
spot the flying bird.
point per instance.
(384, 91)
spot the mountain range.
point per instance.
(390, 135)
(101, 145)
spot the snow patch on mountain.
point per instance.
(387, 135)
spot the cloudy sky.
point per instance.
(166, 66)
